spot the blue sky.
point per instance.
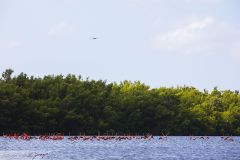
(159, 42)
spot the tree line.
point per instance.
(71, 104)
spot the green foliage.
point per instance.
(72, 104)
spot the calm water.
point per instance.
(171, 149)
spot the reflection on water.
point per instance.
(171, 149)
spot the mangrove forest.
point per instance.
(76, 105)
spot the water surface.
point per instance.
(174, 148)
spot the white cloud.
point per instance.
(203, 1)
(61, 29)
(141, 2)
(10, 44)
(205, 35)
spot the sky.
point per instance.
(162, 43)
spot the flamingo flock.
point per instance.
(58, 136)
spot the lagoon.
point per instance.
(174, 148)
